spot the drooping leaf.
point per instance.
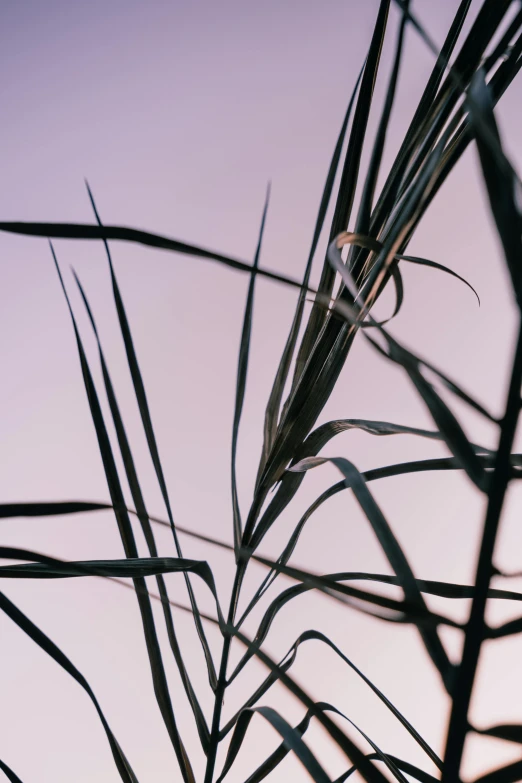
(289, 659)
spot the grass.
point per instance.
(470, 75)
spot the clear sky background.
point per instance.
(179, 113)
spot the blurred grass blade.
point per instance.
(122, 233)
(509, 774)
(499, 179)
(242, 370)
(141, 398)
(49, 509)
(43, 641)
(404, 766)
(8, 772)
(127, 536)
(397, 560)
(285, 746)
(476, 627)
(508, 731)
(291, 739)
(141, 512)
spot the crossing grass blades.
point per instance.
(470, 75)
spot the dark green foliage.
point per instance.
(457, 107)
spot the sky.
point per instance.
(179, 114)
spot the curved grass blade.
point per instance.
(284, 748)
(440, 267)
(333, 585)
(287, 492)
(141, 398)
(65, 507)
(291, 740)
(43, 641)
(45, 567)
(397, 560)
(404, 766)
(499, 179)
(127, 536)
(509, 774)
(242, 370)
(317, 439)
(289, 660)
(445, 420)
(337, 342)
(141, 512)
(504, 211)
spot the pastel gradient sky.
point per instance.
(179, 113)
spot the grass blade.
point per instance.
(289, 660)
(141, 512)
(8, 772)
(129, 544)
(88, 231)
(141, 398)
(274, 402)
(440, 267)
(499, 179)
(348, 183)
(43, 641)
(242, 370)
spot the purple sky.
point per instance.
(178, 113)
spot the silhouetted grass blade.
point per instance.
(49, 509)
(141, 398)
(8, 772)
(289, 660)
(242, 370)
(291, 739)
(509, 774)
(43, 641)
(125, 234)
(274, 402)
(440, 267)
(499, 179)
(141, 512)
(129, 544)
